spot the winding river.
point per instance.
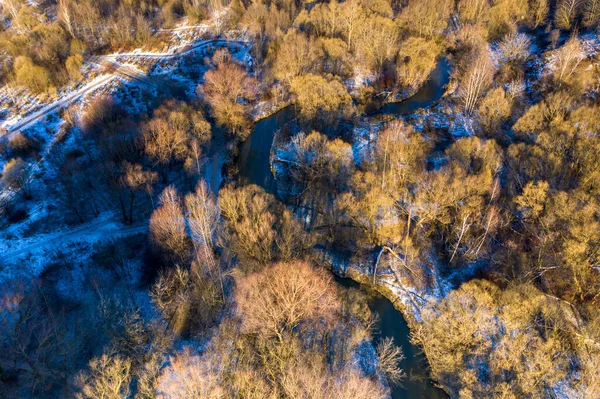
(254, 166)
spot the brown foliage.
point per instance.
(279, 299)
(226, 87)
(109, 377)
(168, 227)
(321, 101)
(257, 230)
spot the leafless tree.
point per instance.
(168, 227)
(515, 47)
(566, 12)
(12, 7)
(16, 176)
(190, 376)
(108, 377)
(164, 142)
(539, 12)
(475, 80)
(591, 13)
(225, 87)
(203, 217)
(278, 299)
(566, 59)
(136, 179)
(203, 214)
(65, 16)
(389, 356)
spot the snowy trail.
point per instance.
(179, 51)
(123, 71)
(63, 102)
(97, 230)
(183, 28)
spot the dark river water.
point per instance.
(254, 166)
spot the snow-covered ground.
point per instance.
(29, 246)
(26, 257)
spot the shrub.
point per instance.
(36, 78)
(23, 145)
(73, 64)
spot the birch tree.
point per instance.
(591, 13)
(566, 12)
(565, 60)
(203, 217)
(12, 7)
(65, 16)
(475, 80)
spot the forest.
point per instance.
(209, 198)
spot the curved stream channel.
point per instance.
(254, 165)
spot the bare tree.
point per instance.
(297, 55)
(65, 16)
(16, 176)
(566, 12)
(473, 11)
(167, 226)
(352, 385)
(249, 224)
(400, 154)
(35, 342)
(225, 87)
(136, 179)
(109, 377)
(164, 142)
(426, 17)
(591, 13)
(389, 356)
(203, 214)
(203, 217)
(190, 376)
(171, 295)
(515, 47)
(475, 80)
(351, 16)
(12, 7)
(539, 12)
(196, 159)
(565, 60)
(278, 299)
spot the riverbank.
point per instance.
(399, 311)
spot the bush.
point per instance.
(23, 145)
(36, 78)
(73, 65)
(15, 175)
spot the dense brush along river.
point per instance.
(254, 166)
